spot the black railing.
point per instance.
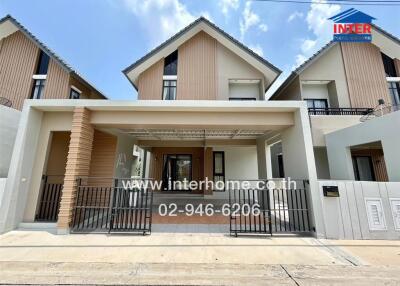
(50, 198)
(105, 205)
(339, 111)
(270, 210)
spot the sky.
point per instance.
(99, 38)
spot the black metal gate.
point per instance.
(50, 198)
(266, 210)
(112, 208)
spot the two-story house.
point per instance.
(342, 83)
(201, 115)
(30, 70)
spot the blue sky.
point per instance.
(100, 38)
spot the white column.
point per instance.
(261, 159)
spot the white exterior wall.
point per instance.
(9, 119)
(384, 129)
(231, 66)
(240, 164)
(315, 91)
(324, 124)
(124, 156)
(346, 216)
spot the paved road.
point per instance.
(194, 274)
(39, 257)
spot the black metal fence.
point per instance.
(263, 210)
(105, 205)
(50, 197)
(338, 111)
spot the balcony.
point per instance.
(339, 111)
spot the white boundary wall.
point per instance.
(9, 119)
(363, 210)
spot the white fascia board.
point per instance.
(162, 105)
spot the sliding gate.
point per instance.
(113, 209)
(264, 210)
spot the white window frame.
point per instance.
(39, 76)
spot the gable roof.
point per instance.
(319, 53)
(352, 16)
(47, 50)
(132, 71)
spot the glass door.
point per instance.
(177, 172)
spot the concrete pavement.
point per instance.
(38, 257)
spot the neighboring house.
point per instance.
(30, 70)
(341, 83)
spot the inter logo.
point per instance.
(352, 26)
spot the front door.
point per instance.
(177, 172)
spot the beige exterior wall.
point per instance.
(57, 82)
(57, 159)
(150, 82)
(197, 68)
(103, 158)
(231, 66)
(18, 57)
(397, 65)
(329, 67)
(365, 74)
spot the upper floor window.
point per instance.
(38, 87)
(317, 103)
(74, 93)
(43, 63)
(389, 66)
(171, 64)
(169, 89)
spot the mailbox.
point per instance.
(330, 191)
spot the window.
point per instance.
(38, 87)
(169, 89)
(394, 91)
(219, 168)
(363, 168)
(388, 63)
(241, 98)
(74, 94)
(317, 103)
(171, 64)
(43, 63)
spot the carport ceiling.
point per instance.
(194, 134)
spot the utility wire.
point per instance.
(339, 2)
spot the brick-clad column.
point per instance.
(78, 163)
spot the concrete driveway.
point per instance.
(38, 257)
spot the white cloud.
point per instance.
(250, 19)
(320, 27)
(263, 27)
(308, 45)
(295, 15)
(162, 18)
(257, 49)
(227, 5)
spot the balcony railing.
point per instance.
(339, 111)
